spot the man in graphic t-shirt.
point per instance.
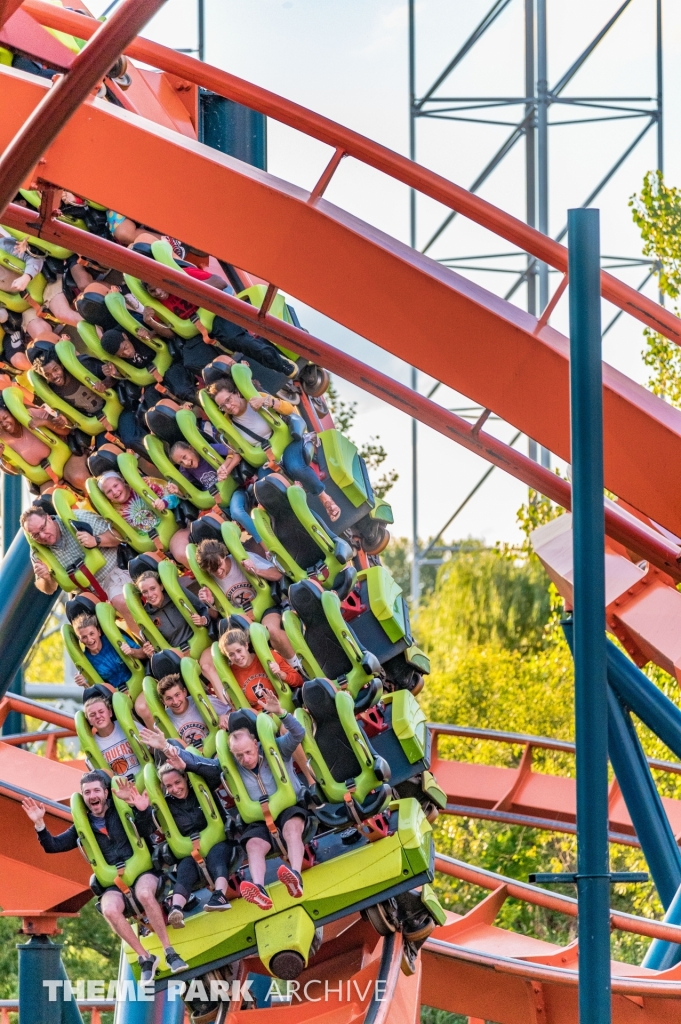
(110, 738)
(184, 714)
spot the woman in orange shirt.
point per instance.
(248, 670)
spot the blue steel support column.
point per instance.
(23, 609)
(642, 697)
(640, 795)
(11, 510)
(591, 716)
(39, 960)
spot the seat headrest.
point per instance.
(80, 605)
(105, 458)
(319, 697)
(140, 564)
(164, 663)
(243, 718)
(205, 528)
(233, 622)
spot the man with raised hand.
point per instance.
(95, 788)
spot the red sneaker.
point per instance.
(292, 880)
(256, 894)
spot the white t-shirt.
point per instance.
(235, 586)
(118, 753)
(254, 422)
(190, 726)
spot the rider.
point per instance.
(95, 788)
(110, 738)
(214, 558)
(184, 806)
(244, 415)
(183, 713)
(255, 771)
(50, 532)
(106, 661)
(248, 670)
(172, 625)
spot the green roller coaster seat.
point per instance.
(16, 300)
(141, 540)
(107, 874)
(182, 846)
(293, 628)
(186, 421)
(226, 676)
(106, 617)
(344, 465)
(77, 656)
(58, 251)
(158, 455)
(106, 419)
(385, 600)
(191, 679)
(409, 724)
(68, 357)
(366, 780)
(185, 329)
(255, 295)
(93, 559)
(358, 666)
(281, 435)
(115, 303)
(333, 554)
(88, 334)
(231, 536)
(122, 710)
(284, 795)
(251, 453)
(167, 572)
(260, 641)
(52, 467)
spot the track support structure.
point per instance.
(591, 709)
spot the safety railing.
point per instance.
(95, 1007)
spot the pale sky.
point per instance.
(348, 60)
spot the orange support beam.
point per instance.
(60, 103)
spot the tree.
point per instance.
(657, 214)
(372, 451)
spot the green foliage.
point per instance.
(372, 451)
(499, 661)
(496, 597)
(657, 214)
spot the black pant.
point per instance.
(238, 340)
(188, 872)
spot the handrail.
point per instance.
(551, 900)
(53, 806)
(541, 742)
(36, 709)
(368, 152)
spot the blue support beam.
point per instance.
(12, 487)
(591, 715)
(641, 696)
(24, 609)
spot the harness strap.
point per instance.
(98, 590)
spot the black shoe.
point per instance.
(175, 962)
(218, 901)
(149, 966)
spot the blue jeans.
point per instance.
(239, 510)
(296, 468)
